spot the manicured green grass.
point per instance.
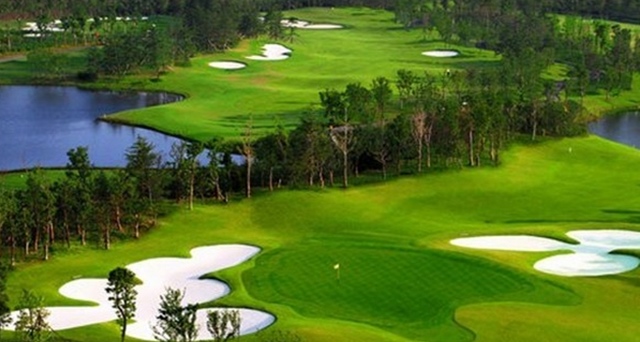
(221, 102)
(400, 278)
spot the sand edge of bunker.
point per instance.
(306, 25)
(156, 275)
(591, 257)
(228, 65)
(441, 53)
(272, 52)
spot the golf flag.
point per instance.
(336, 266)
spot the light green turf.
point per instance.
(221, 101)
(400, 279)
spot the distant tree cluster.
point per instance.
(601, 55)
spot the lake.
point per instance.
(39, 124)
(623, 128)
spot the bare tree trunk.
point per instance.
(191, 189)
(36, 241)
(119, 219)
(271, 178)
(418, 130)
(13, 250)
(345, 168)
(107, 236)
(471, 145)
(384, 170)
(136, 227)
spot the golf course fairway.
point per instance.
(399, 277)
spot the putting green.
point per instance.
(403, 290)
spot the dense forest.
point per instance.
(603, 9)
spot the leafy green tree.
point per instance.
(120, 288)
(292, 30)
(378, 144)
(381, 93)
(247, 149)
(310, 151)
(213, 169)
(141, 161)
(46, 63)
(5, 310)
(273, 23)
(41, 203)
(79, 173)
(223, 325)
(185, 166)
(175, 322)
(406, 79)
(102, 209)
(271, 152)
(31, 323)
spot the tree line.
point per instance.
(601, 56)
(459, 118)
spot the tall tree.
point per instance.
(141, 161)
(41, 203)
(175, 322)
(120, 288)
(247, 150)
(223, 325)
(5, 310)
(381, 93)
(31, 322)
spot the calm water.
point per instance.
(38, 125)
(623, 128)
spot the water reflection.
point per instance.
(38, 125)
(623, 128)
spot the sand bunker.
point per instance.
(272, 52)
(227, 65)
(156, 275)
(306, 25)
(441, 53)
(589, 258)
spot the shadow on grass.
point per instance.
(632, 216)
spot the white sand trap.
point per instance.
(301, 24)
(156, 275)
(294, 23)
(323, 27)
(608, 240)
(228, 65)
(272, 52)
(523, 243)
(587, 264)
(441, 53)
(589, 258)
